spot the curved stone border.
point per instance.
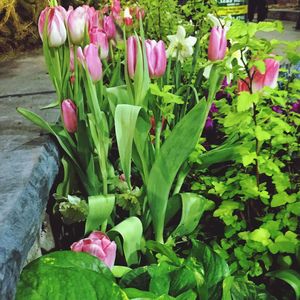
(26, 177)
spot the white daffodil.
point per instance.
(180, 45)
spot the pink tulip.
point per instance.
(217, 44)
(69, 114)
(139, 13)
(72, 65)
(157, 58)
(127, 17)
(99, 245)
(77, 21)
(268, 78)
(243, 85)
(109, 27)
(90, 59)
(131, 55)
(99, 38)
(92, 16)
(116, 8)
(56, 31)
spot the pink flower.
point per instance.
(131, 55)
(127, 17)
(109, 27)
(217, 44)
(116, 8)
(139, 13)
(99, 245)
(157, 58)
(268, 78)
(77, 21)
(99, 38)
(56, 31)
(243, 85)
(91, 60)
(69, 115)
(92, 16)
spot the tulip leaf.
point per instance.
(193, 207)
(131, 230)
(100, 208)
(68, 275)
(125, 123)
(289, 276)
(173, 154)
(118, 95)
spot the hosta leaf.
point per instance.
(68, 275)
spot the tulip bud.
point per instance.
(77, 20)
(131, 55)
(127, 17)
(109, 27)
(268, 78)
(69, 114)
(157, 58)
(56, 31)
(99, 38)
(139, 13)
(90, 59)
(98, 245)
(116, 8)
(92, 16)
(217, 44)
(243, 85)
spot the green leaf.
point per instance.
(173, 154)
(134, 293)
(282, 199)
(215, 267)
(68, 275)
(245, 100)
(289, 276)
(125, 124)
(120, 271)
(261, 134)
(193, 206)
(131, 230)
(100, 208)
(164, 250)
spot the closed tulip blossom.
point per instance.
(243, 85)
(109, 27)
(268, 78)
(91, 60)
(99, 38)
(180, 46)
(77, 22)
(217, 44)
(157, 58)
(69, 115)
(98, 245)
(56, 31)
(131, 55)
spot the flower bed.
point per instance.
(179, 160)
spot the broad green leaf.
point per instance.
(125, 123)
(131, 230)
(173, 154)
(165, 250)
(261, 134)
(245, 100)
(188, 295)
(193, 206)
(160, 278)
(100, 208)
(215, 267)
(133, 293)
(289, 276)
(118, 95)
(120, 271)
(68, 275)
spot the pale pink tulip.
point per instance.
(98, 245)
(139, 13)
(56, 31)
(69, 115)
(109, 27)
(268, 78)
(217, 44)
(116, 9)
(131, 55)
(77, 22)
(91, 60)
(157, 58)
(99, 38)
(92, 16)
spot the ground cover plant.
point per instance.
(179, 157)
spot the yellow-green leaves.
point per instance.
(246, 100)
